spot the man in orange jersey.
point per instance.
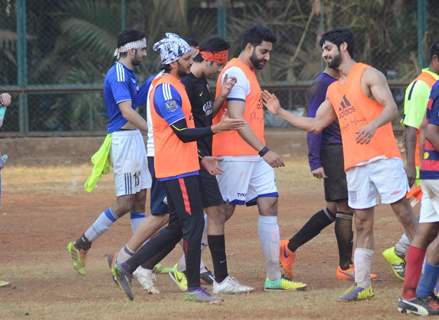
(247, 163)
(177, 167)
(363, 104)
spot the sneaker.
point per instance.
(283, 284)
(420, 306)
(349, 274)
(179, 278)
(207, 277)
(201, 295)
(396, 262)
(4, 284)
(123, 279)
(286, 259)
(230, 285)
(355, 293)
(78, 257)
(146, 279)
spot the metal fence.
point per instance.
(54, 53)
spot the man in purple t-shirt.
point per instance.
(325, 155)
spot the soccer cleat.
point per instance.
(4, 284)
(111, 261)
(207, 277)
(355, 293)
(396, 262)
(428, 306)
(349, 274)
(286, 259)
(158, 268)
(283, 284)
(179, 278)
(230, 285)
(201, 295)
(78, 257)
(146, 279)
(123, 279)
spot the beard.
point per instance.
(257, 63)
(181, 71)
(335, 62)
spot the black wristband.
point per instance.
(263, 151)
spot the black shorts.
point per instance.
(210, 192)
(158, 204)
(335, 184)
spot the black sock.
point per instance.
(312, 227)
(217, 246)
(344, 235)
(82, 243)
(158, 257)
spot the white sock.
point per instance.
(137, 218)
(124, 254)
(269, 236)
(402, 245)
(363, 266)
(101, 225)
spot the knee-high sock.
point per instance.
(101, 225)
(217, 246)
(268, 231)
(413, 268)
(428, 280)
(311, 228)
(344, 235)
(137, 218)
(402, 245)
(363, 266)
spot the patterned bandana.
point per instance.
(139, 44)
(171, 48)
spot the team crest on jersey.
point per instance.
(171, 105)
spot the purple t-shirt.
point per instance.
(331, 134)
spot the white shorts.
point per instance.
(130, 166)
(245, 179)
(430, 201)
(385, 178)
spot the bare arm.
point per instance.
(431, 132)
(132, 116)
(227, 85)
(410, 147)
(375, 82)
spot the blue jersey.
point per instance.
(167, 102)
(120, 85)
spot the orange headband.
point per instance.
(220, 57)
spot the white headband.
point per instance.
(139, 44)
(171, 48)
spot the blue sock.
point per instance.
(428, 280)
(102, 224)
(136, 219)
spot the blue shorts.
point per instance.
(157, 197)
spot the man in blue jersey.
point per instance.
(325, 155)
(127, 148)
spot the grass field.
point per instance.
(44, 207)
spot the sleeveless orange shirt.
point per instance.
(354, 111)
(230, 143)
(172, 157)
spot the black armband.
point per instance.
(263, 151)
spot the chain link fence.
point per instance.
(54, 53)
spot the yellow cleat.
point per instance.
(283, 284)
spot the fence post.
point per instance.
(123, 15)
(422, 29)
(221, 19)
(23, 109)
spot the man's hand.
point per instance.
(273, 159)
(211, 165)
(227, 86)
(5, 99)
(411, 174)
(228, 123)
(365, 134)
(271, 102)
(319, 173)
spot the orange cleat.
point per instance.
(349, 274)
(286, 259)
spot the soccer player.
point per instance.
(325, 155)
(247, 163)
(175, 135)
(415, 105)
(423, 301)
(363, 104)
(126, 147)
